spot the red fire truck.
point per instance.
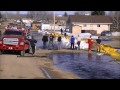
(14, 40)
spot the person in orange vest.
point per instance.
(90, 42)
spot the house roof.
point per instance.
(90, 19)
(61, 18)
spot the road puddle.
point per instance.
(88, 66)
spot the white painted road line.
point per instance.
(46, 73)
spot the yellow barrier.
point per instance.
(110, 51)
(56, 35)
(67, 37)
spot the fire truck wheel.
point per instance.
(27, 51)
(22, 53)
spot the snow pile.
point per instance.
(94, 37)
(83, 45)
(115, 33)
(66, 44)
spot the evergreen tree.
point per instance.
(65, 14)
(76, 13)
(0, 15)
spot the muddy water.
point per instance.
(38, 37)
(88, 66)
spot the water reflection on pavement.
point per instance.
(88, 66)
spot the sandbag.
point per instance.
(106, 49)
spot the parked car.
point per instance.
(66, 29)
(106, 33)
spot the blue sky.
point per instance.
(58, 12)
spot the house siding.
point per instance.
(91, 23)
(76, 29)
(94, 27)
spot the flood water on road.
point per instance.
(37, 37)
(88, 66)
(39, 43)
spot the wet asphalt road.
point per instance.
(88, 66)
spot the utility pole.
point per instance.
(6, 14)
(18, 13)
(54, 21)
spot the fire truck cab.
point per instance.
(14, 40)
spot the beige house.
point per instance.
(83, 23)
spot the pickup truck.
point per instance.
(14, 40)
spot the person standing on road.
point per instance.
(59, 42)
(98, 44)
(61, 31)
(72, 41)
(90, 42)
(78, 42)
(45, 40)
(51, 41)
(32, 43)
(65, 34)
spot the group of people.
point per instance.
(72, 41)
(90, 43)
(50, 39)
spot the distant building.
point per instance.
(36, 25)
(59, 20)
(84, 23)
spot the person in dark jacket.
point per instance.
(59, 42)
(51, 42)
(98, 44)
(72, 41)
(45, 40)
(32, 43)
(65, 34)
(61, 31)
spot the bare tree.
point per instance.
(38, 15)
(116, 19)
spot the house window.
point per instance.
(98, 25)
(84, 25)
